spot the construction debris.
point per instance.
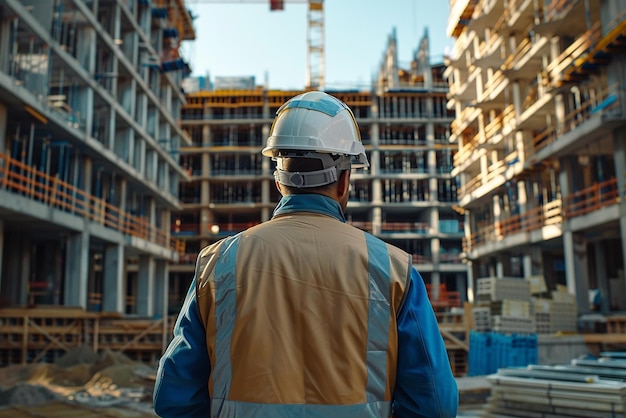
(80, 377)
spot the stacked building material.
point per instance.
(552, 316)
(584, 388)
(507, 302)
(481, 319)
(494, 289)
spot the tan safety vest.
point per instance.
(300, 317)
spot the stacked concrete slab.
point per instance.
(583, 388)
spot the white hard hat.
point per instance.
(310, 125)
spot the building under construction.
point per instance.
(538, 92)
(406, 197)
(89, 142)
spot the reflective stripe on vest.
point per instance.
(377, 342)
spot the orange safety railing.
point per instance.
(578, 48)
(468, 147)
(226, 227)
(420, 227)
(493, 171)
(49, 190)
(421, 259)
(591, 198)
(533, 219)
(364, 226)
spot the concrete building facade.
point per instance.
(90, 91)
(407, 197)
(538, 92)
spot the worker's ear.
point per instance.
(343, 184)
(278, 187)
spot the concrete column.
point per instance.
(86, 55)
(161, 288)
(517, 99)
(117, 23)
(522, 199)
(576, 276)
(25, 272)
(527, 265)
(461, 283)
(123, 194)
(114, 277)
(374, 169)
(619, 150)
(5, 47)
(601, 276)
(3, 144)
(499, 268)
(435, 282)
(18, 261)
(484, 169)
(3, 127)
(1, 253)
(497, 215)
(435, 248)
(146, 285)
(76, 270)
(470, 282)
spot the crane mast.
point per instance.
(315, 42)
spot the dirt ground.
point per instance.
(79, 384)
(83, 384)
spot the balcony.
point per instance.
(600, 104)
(526, 60)
(521, 14)
(532, 220)
(487, 14)
(405, 227)
(464, 91)
(494, 88)
(562, 67)
(501, 124)
(591, 199)
(487, 52)
(468, 153)
(24, 180)
(461, 123)
(557, 9)
(494, 171)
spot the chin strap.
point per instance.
(306, 179)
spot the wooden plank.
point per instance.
(454, 340)
(604, 338)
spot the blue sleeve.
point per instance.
(425, 385)
(181, 387)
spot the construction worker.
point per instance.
(305, 315)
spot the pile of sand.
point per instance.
(82, 376)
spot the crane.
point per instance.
(315, 70)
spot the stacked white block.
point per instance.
(513, 325)
(553, 316)
(508, 302)
(495, 289)
(481, 319)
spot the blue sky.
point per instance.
(245, 38)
